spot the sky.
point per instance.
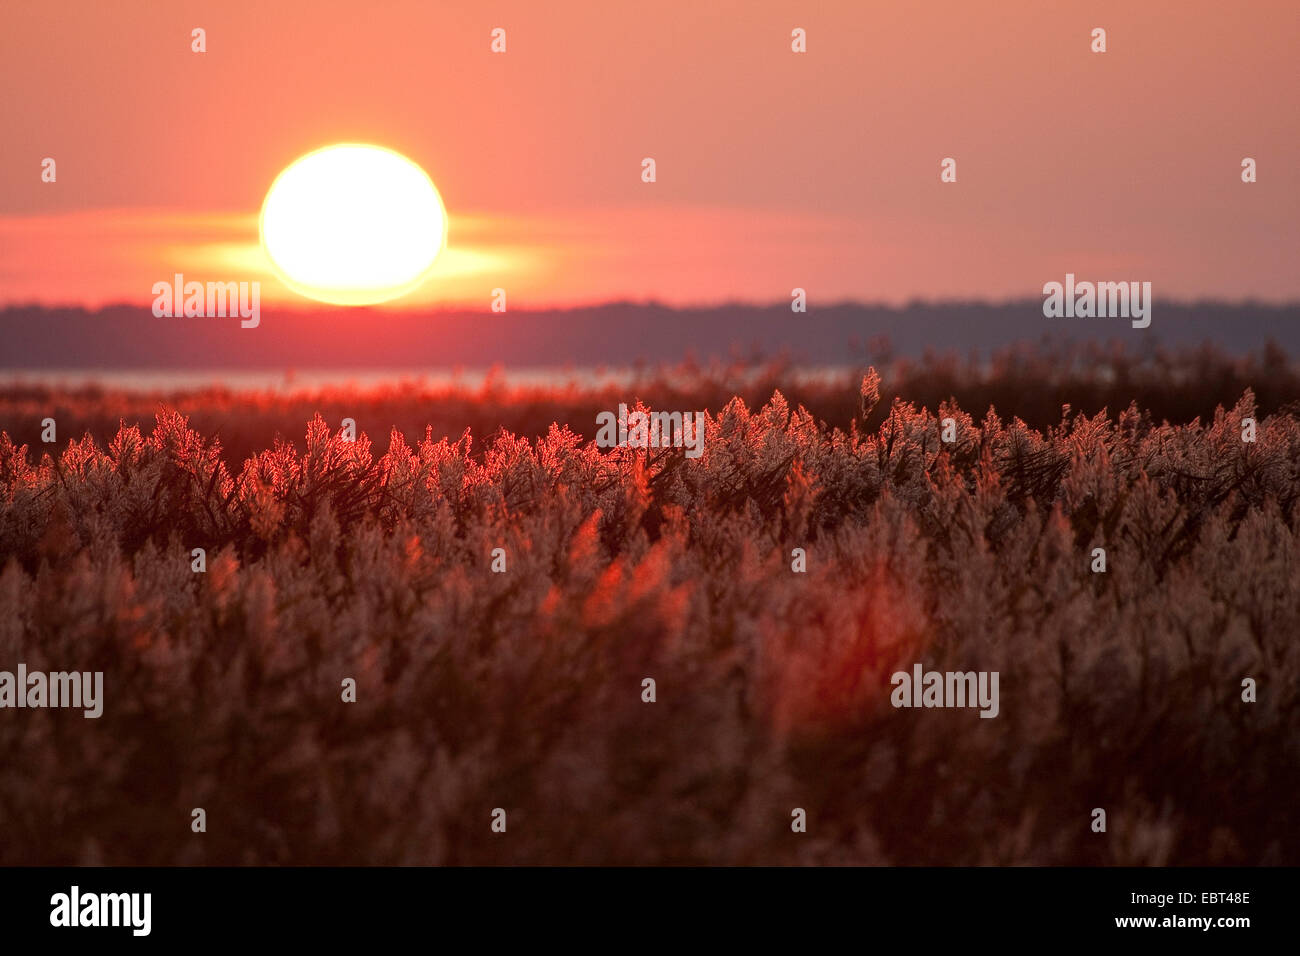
(775, 170)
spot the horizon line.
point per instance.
(653, 303)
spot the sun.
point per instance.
(353, 224)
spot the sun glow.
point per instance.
(353, 225)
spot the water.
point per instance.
(280, 380)
(285, 381)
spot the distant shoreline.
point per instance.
(617, 335)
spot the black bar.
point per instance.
(665, 906)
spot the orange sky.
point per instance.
(775, 170)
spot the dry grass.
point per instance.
(522, 690)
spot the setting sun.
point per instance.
(353, 224)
